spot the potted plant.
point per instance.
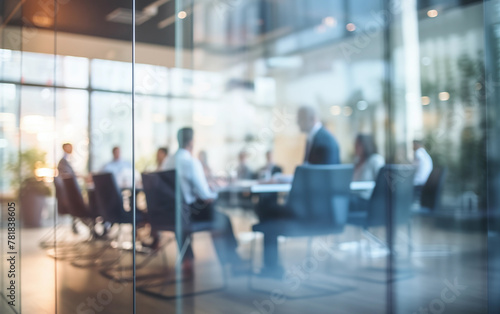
(32, 190)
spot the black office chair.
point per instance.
(58, 234)
(319, 201)
(109, 201)
(393, 190)
(160, 190)
(71, 200)
(430, 198)
(393, 194)
(430, 207)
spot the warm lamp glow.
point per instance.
(444, 96)
(335, 110)
(182, 15)
(426, 100)
(432, 13)
(351, 27)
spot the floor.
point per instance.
(426, 281)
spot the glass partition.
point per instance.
(249, 156)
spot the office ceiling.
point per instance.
(112, 18)
(104, 18)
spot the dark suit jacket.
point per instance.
(65, 169)
(324, 150)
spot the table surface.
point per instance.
(259, 187)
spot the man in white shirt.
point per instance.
(200, 201)
(422, 163)
(121, 169)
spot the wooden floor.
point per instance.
(356, 274)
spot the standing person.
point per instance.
(321, 147)
(423, 164)
(66, 171)
(161, 158)
(200, 202)
(64, 166)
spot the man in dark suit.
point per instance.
(64, 166)
(322, 147)
(66, 171)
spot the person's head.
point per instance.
(116, 153)
(161, 154)
(306, 118)
(242, 157)
(417, 144)
(202, 156)
(364, 146)
(185, 138)
(67, 148)
(269, 156)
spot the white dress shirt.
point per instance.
(190, 171)
(369, 170)
(423, 164)
(122, 171)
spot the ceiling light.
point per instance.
(182, 15)
(432, 13)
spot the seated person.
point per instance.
(367, 164)
(161, 158)
(270, 169)
(423, 164)
(121, 169)
(200, 200)
(243, 172)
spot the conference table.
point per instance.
(257, 187)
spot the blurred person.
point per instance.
(367, 161)
(200, 202)
(161, 158)
(121, 169)
(367, 164)
(66, 171)
(422, 162)
(64, 166)
(321, 147)
(203, 158)
(270, 169)
(243, 172)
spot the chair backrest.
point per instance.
(61, 196)
(320, 193)
(109, 199)
(433, 188)
(393, 190)
(77, 208)
(159, 188)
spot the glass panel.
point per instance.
(439, 100)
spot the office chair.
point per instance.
(392, 195)
(160, 190)
(319, 201)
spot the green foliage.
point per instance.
(23, 171)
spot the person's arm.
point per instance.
(200, 184)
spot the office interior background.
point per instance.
(100, 74)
